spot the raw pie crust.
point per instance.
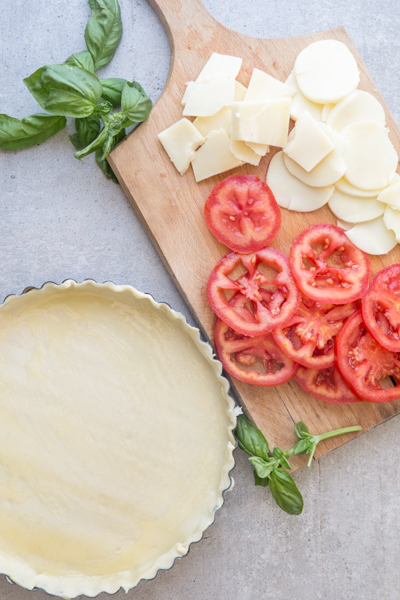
(115, 440)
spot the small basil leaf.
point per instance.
(277, 452)
(301, 430)
(134, 104)
(87, 130)
(16, 134)
(102, 162)
(103, 31)
(97, 143)
(285, 492)
(284, 462)
(65, 90)
(263, 481)
(250, 439)
(303, 447)
(262, 467)
(83, 60)
(112, 90)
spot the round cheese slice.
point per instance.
(372, 237)
(301, 104)
(116, 438)
(369, 154)
(326, 71)
(391, 219)
(346, 188)
(358, 106)
(290, 192)
(391, 195)
(355, 210)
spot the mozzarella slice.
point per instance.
(391, 195)
(301, 104)
(326, 71)
(307, 143)
(220, 66)
(180, 142)
(372, 237)
(290, 192)
(328, 171)
(242, 151)
(214, 156)
(391, 219)
(344, 186)
(344, 225)
(265, 87)
(261, 149)
(359, 106)
(355, 210)
(206, 98)
(261, 122)
(326, 110)
(369, 154)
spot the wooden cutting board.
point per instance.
(171, 206)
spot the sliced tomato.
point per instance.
(381, 308)
(268, 293)
(242, 213)
(256, 360)
(328, 267)
(326, 385)
(369, 369)
(308, 337)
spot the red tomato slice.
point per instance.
(381, 308)
(369, 369)
(308, 337)
(326, 385)
(256, 360)
(328, 267)
(268, 293)
(242, 213)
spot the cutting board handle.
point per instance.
(182, 21)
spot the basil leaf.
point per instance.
(262, 467)
(65, 90)
(277, 452)
(284, 462)
(134, 103)
(102, 162)
(250, 439)
(97, 143)
(301, 430)
(82, 60)
(87, 130)
(264, 482)
(303, 447)
(16, 134)
(285, 492)
(112, 90)
(103, 31)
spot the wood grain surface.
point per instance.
(171, 206)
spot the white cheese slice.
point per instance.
(391, 196)
(206, 98)
(214, 156)
(242, 151)
(261, 149)
(391, 219)
(220, 66)
(372, 237)
(326, 71)
(369, 154)
(308, 143)
(355, 210)
(344, 186)
(221, 119)
(265, 87)
(328, 171)
(358, 106)
(290, 192)
(180, 142)
(300, 103)
(326, 110)
(344, 225)
(240, 92)
(261, 122)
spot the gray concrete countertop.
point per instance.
(60, 219)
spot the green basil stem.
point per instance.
(324, 436)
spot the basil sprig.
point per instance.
(270, 467)
(73, 90)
